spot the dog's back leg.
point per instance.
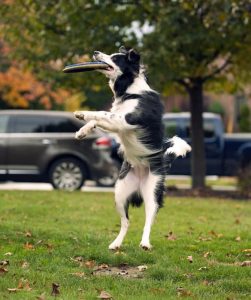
(127, 185)
(152, 187)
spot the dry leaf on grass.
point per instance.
(89, 264)
(3, 271)
(28, 234)
(4, 263)
(190, 258)
(104, 295)
(23, 285)
(25, 265)
(41, 297)
(182, 292)
(55, 289)
(202, 268)
(206, 254)
(246, 263)
(171, 236)
(78, 274)
(237, 221)
(246, 250)
(8, 254)
(142, 268)
(28, 246)
(14, 290)
(238, 239)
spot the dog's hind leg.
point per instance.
(127, 184)
(152, 187)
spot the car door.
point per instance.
(27, 144)
(4, 119)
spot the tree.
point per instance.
(198, 41)
(188, 43)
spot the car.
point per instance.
(40, 146)
(226, 154)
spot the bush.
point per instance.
(245, 119)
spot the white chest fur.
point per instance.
(131, 146)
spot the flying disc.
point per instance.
(86, 66)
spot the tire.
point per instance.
(109, 181)
(67, 174)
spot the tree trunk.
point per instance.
(198, 162)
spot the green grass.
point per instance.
(67, 225)
(220, 181)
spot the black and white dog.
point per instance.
(136, 118)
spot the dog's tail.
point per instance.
(174, 148)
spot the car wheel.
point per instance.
(109, 181)
(67, 174)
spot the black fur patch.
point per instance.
(125, 168)
(148, 116)
(135, 199)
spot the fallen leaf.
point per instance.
(188, 275)
(205, 239)
(238, 239)
(28, 246)
(237, 221)
(190, 258)
(103, 267)
(171, 236)
(213, 233)
(104, 295)
(205, 282)
(206, 254)
(3, 271)
(13, 290)
(89, 264)
(78, 274)
(25, 265)
(182, 292)
(202, 268)
(142, 268)
(41, 297)
(55, 289)
(246, 250)
(246, 263)
(24, 284)
(8, 254)
(28, 234)
(4, 263)
(248, 254)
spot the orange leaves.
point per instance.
(19, 89)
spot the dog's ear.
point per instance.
(123, 50)
(133, 56)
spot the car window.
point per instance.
(41, 123)
(27, 124)
(60, 124)
(208, 127)
(171, 127)
(3, 123)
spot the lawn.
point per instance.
(60, 238)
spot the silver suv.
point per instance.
(40, 146)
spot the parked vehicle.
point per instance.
(226, 154)
(40, 146)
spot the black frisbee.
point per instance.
(86, 66)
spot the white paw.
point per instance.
(145, 245)
(114, 246)
(79, 135)
(79, 115)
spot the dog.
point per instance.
(136, 118)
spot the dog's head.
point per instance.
(127, 61)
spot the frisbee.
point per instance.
(86, 66)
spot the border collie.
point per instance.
(136, 118)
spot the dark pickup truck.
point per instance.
(226, 154)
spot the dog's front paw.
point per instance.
(79, 115)
(145, 245)
(79, 135)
